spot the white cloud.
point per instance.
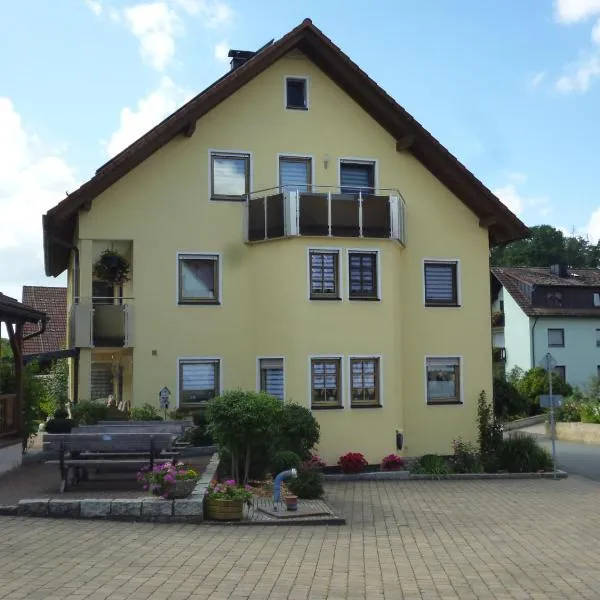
(155, 25)
(572, 11)
(517, 177)
(592, 229)
(517, 203)
(33, 178)
(214, 13)
(537, 80)
(149, 112)
(94, 6)
(221, 51)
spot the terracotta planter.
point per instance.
(291, 502)
(224, 510)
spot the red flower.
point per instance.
(353, 462)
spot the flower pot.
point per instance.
(224, 510)
(291, 502)
(182, 488)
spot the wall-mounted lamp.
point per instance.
(326, 161)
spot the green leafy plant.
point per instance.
(299, 431)
(508, 401)
(197, 435)
(353, 462)
(314, 462)
(87, 412)
(308, 485)
(430, 464)
(520, 453)
(146, 412)
(284, 460)
(534, 383)
(465, 458)
(229, 490)
(569, 411)
(244, 424)
(490, 434)
(112, 267)
(589, 412)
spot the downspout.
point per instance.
(533, 342)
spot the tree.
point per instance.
(5, 349)
(547, 246)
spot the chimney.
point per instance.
(239, 57)
(559, 270)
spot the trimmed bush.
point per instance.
(146, 412)
(87, 412)
(430, 464)
(520, 453)
(284, 460)
(308, 484)
(299, 431)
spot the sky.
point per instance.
(512, 88)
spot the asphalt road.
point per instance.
(579, 459)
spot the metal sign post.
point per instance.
(548, 363)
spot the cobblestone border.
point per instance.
(144, 508)
(407, 476)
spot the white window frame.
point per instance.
(241, 153)
(375, 251)
(349, 359)
(340, 278)
(455, 261)
(185, 359)
(306, 80)
(361, 160)
(310, 157)
(271, 357)
(343, 398)
(200, 255)
(461, 382)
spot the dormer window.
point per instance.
(296, 93)
(554, 299)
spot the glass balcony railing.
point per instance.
(281, 212)
(102, 322)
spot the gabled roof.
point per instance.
(53, 302)
(514, 279)
(504, 226)
(12, 311)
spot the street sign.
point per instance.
(548, 362)
(163, 397)
(547, 401)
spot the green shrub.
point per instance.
(430, 464)
(197, 436)
(534, 383)
(520, 453)
(570, 411)
(299, 431)
(508, 401)
(589, 412)
(87, 412)
(196, 414)
(245, 424)
(308, 484)
(284, 460)
(61, 413)
(490, 434)
(146, 412)
(57, 425)
(465, 458)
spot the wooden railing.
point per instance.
(8, 415)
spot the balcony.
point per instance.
(101, 322)
(499, 355)
(330, 212)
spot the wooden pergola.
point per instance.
(14, 315)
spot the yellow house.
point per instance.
(291, 229)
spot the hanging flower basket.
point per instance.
(112, 267)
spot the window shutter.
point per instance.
(354, 176)
(294, 174)
(439, 283)
(198, 376)
(272, 376)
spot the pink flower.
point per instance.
(166, 496)
(145, 487)
(230, 482)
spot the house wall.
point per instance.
(517, 335)
(580, 355)
(162, 206)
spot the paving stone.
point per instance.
(157, 507)
(95, 508)
(34, 507)
(125, 508)
(63, 508)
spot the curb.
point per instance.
(406, 476)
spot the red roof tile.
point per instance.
(52, 301)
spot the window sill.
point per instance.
(434, 305)
(337, 407)
(556, 345)
(228, 198)
(444, 402)
(364, 298)
(296, 107)
(198, 303)
(366, 406)
(326, 298)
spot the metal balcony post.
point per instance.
(360, 214)
(265, 209)
(329, 213)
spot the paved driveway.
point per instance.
(448, 539)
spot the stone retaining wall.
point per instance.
(577, 432)
(145, 508)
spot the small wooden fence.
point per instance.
(8, 414)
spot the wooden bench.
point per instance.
(110, 450)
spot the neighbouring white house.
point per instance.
(555, 309)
